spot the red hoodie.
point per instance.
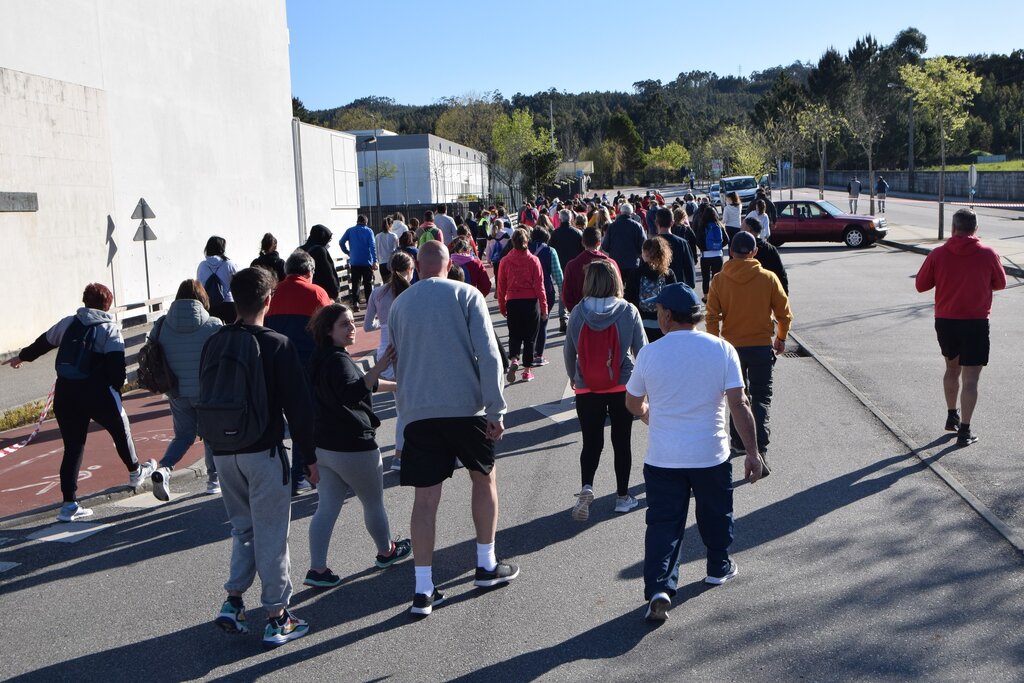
(520, 276)
(964, 273)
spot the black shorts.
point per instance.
(964, 339)
(432, 445)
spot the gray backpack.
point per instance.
(233, 410)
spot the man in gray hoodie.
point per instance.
(450, 412)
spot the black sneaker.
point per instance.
(765, 470)
(400, 550)
(953, 422)
(423, 604)
(657, 608)
(562, 326)
(502, 573)
(730, 574)
(965, 438)
(324, 579)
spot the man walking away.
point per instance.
(853, 189)
(445, 224)
(680, 388)
(325, 274)
(767, 255)
(742, 301)
(881, 190)
(361, 248)
(624, 241)
(464, 426)
(964, 273)
(567, 242)
(572, 278)
(245, 440)
(682, 257)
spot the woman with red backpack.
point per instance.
(603, 337)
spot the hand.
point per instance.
(495, 428)
(752, 467)
(779, 345)
(543, 315)
(313, 474)
(387, 359)
(393, 351)
(646, 417)
(13, 362)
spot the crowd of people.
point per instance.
(263, 352)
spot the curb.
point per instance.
(1010, 270)
(1015, 539)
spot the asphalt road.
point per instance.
(856, 563)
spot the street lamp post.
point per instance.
(376, 174)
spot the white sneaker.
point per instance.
(730, 574)
(140, 475)
(581, 511)
(162, 483)
(657, 608)
(212, 488)
(625, 503)
(72, 512)
(396, 464)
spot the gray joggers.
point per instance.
(364, 473)
(257, 496)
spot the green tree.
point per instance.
(782, 138)
(820, 126)
(943, 89)
(469, 120)
(609, 157)
(360, 118)
(741, 150)
(622, 130)
(513, 137)
(300, 112)
(539, 169)
(670, 157)
(865, 122)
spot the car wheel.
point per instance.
(854, 237)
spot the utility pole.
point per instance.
(551, 118)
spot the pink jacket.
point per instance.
(520, 277)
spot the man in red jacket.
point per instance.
(572, 279)
(964, 274)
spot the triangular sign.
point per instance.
(142, 211)
(144, 232)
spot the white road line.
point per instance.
(68, 532)
(7, 566)
(560, 411)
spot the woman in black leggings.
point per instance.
(523, 301)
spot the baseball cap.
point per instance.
(743, 243)
(676, 297)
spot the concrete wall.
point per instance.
(185, 103)
(329, 183)
(436, 171)
(993, 186)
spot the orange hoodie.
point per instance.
(742, 300)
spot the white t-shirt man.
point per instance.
(685, 375)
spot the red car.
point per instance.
(821, 221)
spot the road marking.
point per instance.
(562, 410)
(7, 566)
(68, 532)
(142, 501)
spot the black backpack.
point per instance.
(215, 288)
(155, 372)
(74, 355)
(233, 409)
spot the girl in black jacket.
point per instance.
(345, 431)
(269, 258)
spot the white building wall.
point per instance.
(423, 176)
(185, 103)
(330, 186)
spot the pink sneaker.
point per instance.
(527, 375)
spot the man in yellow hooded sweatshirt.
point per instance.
(745, 305)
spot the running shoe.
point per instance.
(540, 361)
(396, 464)
(324, 579)
(581, 511)
(291, 628)
(953, 422)
(232, 619)
(72, 512)
(162, 483)
(400, 550)
(730, 574)
(528, 375)
(423, 604)
(301, 486)
(144, 472)
(625, 503)
(657, 608)
(765, 470)
(503, 572)
(212, 488)
(965, 438)
(562, 326)
(513, 368)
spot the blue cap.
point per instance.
(743, 243)
(676, 297)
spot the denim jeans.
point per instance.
(668, 501)
(756, 364)
(183, 416)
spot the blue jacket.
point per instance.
(359, 245)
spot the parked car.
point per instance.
(821, 221)
(743, 185)
(715, 195)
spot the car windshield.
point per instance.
(747, 183)
(831, 208)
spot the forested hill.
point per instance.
(698, 105)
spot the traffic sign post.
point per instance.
(144, 234)
(972, 180)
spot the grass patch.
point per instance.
(1016, 165)
(21, 416)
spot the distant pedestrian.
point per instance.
(680, 388)
(325, 272)
(428, 230)
(964, 273)
(575, 270)
(651, 277)
(439, 313)
(624, 239)
(682, 257)
(711, 242)
(732, 215)
(552, 268)
(445, 224)
(398, 226)
(359, 245)
(853, 190)
(881, 190)
(90, 375)
(523, 301)
(760, 214)
(215, 274)
(767, 255)
(386, 243)
(269, 258)
(567, 241)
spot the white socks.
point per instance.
(424, 580)
(485, 556)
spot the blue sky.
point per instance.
(419, 52)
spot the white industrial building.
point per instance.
(184, 103)
(427, 169)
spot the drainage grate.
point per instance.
(800, 352)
